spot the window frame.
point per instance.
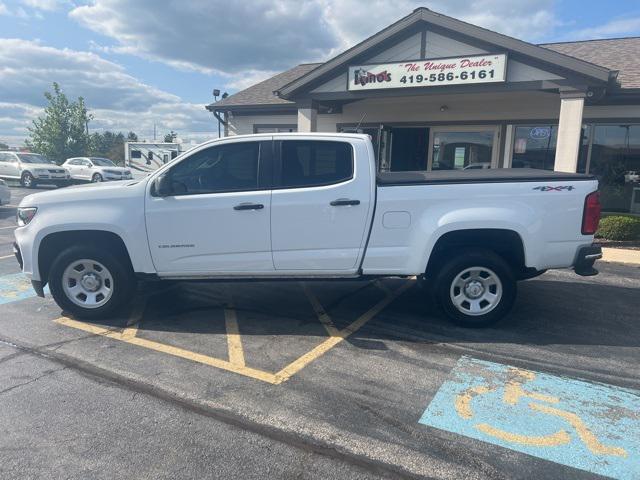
(277, 165)
(265, 169)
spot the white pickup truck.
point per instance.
(308, 206)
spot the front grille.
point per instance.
(56, 171)
(112, 172)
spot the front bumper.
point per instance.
(18, 254)
(37, 285)
(585, 259)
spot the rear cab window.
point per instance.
(311, 163)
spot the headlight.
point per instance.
(41, 171)
(25, 215)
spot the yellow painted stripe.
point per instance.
(135, 317)
(8, 256)
(175, 351)
(324, 318)
(297, 365)
(234, 342)
(588, 438)
(552, 440)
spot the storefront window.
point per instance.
(615, 160)
(534, 146)
(462, 150)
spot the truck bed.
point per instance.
(492, 175)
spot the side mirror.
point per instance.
(162, 186)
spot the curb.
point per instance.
(621, 255)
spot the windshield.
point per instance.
(102, 162)
(34, 158)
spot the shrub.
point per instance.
(619, 228)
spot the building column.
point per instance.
(569, 131)
(307, 117)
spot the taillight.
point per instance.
(591, 214)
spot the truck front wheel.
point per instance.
(89, 282)
(476, 288)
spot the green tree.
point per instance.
(4, 146)
(170, 137)
(132, 137)
(109, 145)
(62, 131)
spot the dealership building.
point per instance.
(437, 93)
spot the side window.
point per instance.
(223, 168)
(136, 154)
(308, 163)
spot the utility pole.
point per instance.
(154, 132)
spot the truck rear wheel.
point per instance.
(90, 283)
(476, 289)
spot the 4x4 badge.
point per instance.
(549, 188)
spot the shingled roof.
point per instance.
(622, 54)
(262, 93)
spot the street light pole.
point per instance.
(216, 93)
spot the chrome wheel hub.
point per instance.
(87, 283)
(476, 291)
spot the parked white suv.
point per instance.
(31, 169)
(96, 169)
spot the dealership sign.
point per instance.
(429, 73)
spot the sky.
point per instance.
(140, 63)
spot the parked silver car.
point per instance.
(95, 169)
(31, 169)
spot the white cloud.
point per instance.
(48, 5)
(214, 35)
(252, 38)
(614, 28)
(117, 100)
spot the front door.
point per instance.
(463, 148)
(321, 205)
(215, 220)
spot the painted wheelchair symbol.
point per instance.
(513, 393)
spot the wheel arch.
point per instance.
(52, 244)
(504, 242)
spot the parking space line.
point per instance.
(236, 363)
(325, 320)
(133, 323)
(298, 364)
(7, 256)
(7, 228)
(234, 342)
(168, 349)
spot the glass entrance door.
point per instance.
(463, 148)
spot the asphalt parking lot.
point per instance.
(321, 380)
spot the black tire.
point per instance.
(27, 180)
(123, 281)
(445, 289)
(97, 178)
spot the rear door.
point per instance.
(215, 221)
(321, 203)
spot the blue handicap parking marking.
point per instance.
(15, 287)
(590, 426)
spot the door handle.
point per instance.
(249, 206)
(341, 202)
